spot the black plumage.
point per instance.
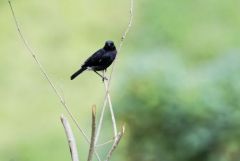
(100, 60)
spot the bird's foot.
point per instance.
(104, 78)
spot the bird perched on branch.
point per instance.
(99, 61)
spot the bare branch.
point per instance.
(43, 71)
(124, 35)
(112, 114)
(71, 139)
(111, 108)
(93, 135)
(106, 99)
(99, 127)
(115, 144)
(107, 84)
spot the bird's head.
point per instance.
(109, 45)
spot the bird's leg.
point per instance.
(103, 78)
(104, 73)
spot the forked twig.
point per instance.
(115, 144)
(93, 135)
(107, 84)
(71, 139)
(106, 99)
(99, 127)
(110, 107)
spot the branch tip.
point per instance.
(123, 129)
(71, 139)
(93, 135)
(61, 117)
(94, 109)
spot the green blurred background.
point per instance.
(176, 83)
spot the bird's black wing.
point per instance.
(95, 59)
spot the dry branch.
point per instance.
(124, 35)
(107, 99)
(93, 135)
(43, 71)
(71, 139)
(46, 76)
(116, 142)
(111, 110)
(107, 83)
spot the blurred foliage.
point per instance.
(198, 30)
(179, 114)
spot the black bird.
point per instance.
(100, 60)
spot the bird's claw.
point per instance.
(104, 78)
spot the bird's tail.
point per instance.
(77, 73)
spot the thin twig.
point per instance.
(106, 99)
(115, 144)
(93, 135)
(107, 95)
(111, 108)
(102, 144)
(99, 127)
(124, 35)
(43, 71)
(71, 139)
(112, 114)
